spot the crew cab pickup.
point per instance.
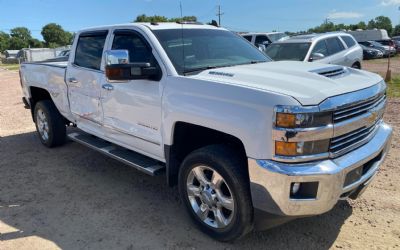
(249, 142)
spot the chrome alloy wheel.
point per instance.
(42, 124)
(210, 197)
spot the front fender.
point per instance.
(242, 112)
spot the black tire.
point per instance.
(56, 124)
(356, 65)
(234, 171)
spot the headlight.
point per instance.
(301, 134)
(302, 120)
(283, 148)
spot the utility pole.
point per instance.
(219, 14)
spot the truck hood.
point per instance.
(308, 83)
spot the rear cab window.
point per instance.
(349, 41)
(262, 39)
(89, 50)
(334, 45)
(248, 38)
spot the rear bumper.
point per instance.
(271, 181)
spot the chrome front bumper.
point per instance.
(271, 181)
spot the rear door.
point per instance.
(132, 109)
(83, 77)
(337, 51)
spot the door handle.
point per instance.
(72, 80)
(107, 86)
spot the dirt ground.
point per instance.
(380, 65)
(74, 198)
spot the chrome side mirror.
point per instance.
(119, 68)
(120, 56)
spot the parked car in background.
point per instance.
(263, 40)
(371, 53)
(391, 43)
(387, 50)
(64, 53)
(334, 48)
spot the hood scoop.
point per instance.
(331, 72)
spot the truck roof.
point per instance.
(157, 26)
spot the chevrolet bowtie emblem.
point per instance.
(374, 116)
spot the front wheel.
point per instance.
(214, 187)
(50, 124)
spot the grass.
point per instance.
(10, 66)
(394, 87)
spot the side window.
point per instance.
(89, 50)
(248, 38)
(139, 52)
(334, 45)
(321, 48)
(260, 39)
(349, 41)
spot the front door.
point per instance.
(132, 109)
(84, 78)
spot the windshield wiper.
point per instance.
(199, 69)
(220, 66)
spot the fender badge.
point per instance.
(220, 73)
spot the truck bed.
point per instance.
(49, 76)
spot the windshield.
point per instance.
(376, 44)
(277, 37)
(288, 51)
(192, 50)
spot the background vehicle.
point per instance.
(387, 50)
(64, 53)
(371, 53)
(390, 43)
(263, 40)
(250, 143)
(333, 48)
(369, 35)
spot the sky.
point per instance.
(239, 15)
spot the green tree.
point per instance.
(4, 41)
(35, 43)
(162, 19)
(150, 19)
(381, 22)
(20, 37)
(55, 36)
(396, 30)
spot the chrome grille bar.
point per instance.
(357, 110)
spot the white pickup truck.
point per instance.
(250, 143)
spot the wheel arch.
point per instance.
(37, 94)
(188, 137)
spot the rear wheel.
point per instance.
(50, 124)
(214, 187)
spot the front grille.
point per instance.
(344, 143)
(358, 109)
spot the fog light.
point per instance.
(295, 188)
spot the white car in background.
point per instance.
(333, 48)
(263, 40)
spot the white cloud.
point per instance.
(344, 15)
(390, 2)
